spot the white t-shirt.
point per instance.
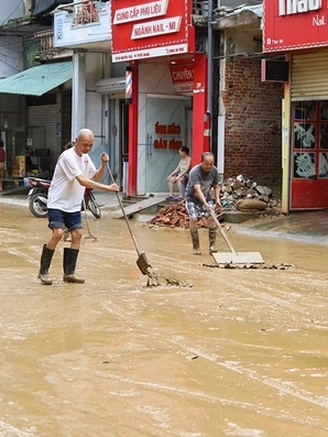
(65, 193)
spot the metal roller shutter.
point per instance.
(44, 116)
(310, 76)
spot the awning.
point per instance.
(38, 80)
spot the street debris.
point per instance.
(176, 216)
(168, 281)
(278, 266)
(236, 194)
(243, 194)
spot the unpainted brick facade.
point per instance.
(253, 123)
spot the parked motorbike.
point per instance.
(38, 198)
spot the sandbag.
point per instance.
(253, 204)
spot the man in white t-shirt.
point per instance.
(73, 173)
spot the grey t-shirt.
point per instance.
(206, 181)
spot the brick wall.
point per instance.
(253, 123)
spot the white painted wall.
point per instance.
(95, 111)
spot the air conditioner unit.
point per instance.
(113, 85)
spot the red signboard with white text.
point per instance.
(294, 24)
(143, 29)
(183, 78)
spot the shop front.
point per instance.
(299, 32)
(165, 88)
(309, 122)
(34, 140)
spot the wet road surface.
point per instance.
(241, 353)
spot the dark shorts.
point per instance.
(59, 219)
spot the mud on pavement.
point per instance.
(241, 353)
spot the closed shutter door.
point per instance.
(42, 121)
(310, 76)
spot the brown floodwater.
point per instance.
(240, 353)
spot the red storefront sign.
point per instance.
(294, 24)
(143, 29)
(183, 78)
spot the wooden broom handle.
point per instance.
(222, 232)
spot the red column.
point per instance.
(133, 132)
(200, 121)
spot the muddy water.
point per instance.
(241, 353)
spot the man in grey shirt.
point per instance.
(202, 178)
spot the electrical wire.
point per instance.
(9, 65)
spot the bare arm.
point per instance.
(199, 194)
(89, 183)
(104, 158)
(186, 170)
(175, 171)
(217, 194)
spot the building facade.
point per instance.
(300, 35)
(196, 81)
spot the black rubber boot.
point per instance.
(70, 259)
(45, 262)
(195, 241)
(212, 239)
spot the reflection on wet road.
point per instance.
(241, 353)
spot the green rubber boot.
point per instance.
(69, 264)
(45, 262)
(212, 239)
(195, 241)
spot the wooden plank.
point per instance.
(139, 206)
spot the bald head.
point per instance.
(84, 141)
(207, 161)
(85, 133)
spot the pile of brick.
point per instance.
(175, 216)
(236, 194)
(236, 191)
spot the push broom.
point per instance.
(233, 257)
(142, 260)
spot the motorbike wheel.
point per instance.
(93, 206)
(37, 206)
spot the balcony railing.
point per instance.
(46, 41)
(46, 49)
(85, 12)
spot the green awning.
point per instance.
(38, 80)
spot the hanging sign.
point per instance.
(143, 29)
(183, 78)
(294, 24)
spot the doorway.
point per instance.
(309, 187)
